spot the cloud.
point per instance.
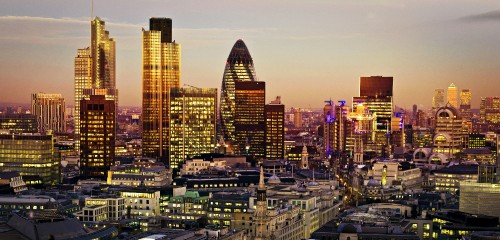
(482, 17)
(64, 20)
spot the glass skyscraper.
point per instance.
(95, 68)
(161, 61)
(192, 123)
(239, 67)
(249, 120)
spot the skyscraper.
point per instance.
(192, 123)
(329, 127)
(49, 111)
(239, 67)
(83, 80)
(465, 108)
(102, 49)
(489, 110)
(161, 62)
(97, 115)
(438, 99)
(275, 129)
(452, 96)
(376, 95)
(95, 68)
(249, 120)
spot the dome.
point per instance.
(313, 184)
(373, 183)
(274, 180)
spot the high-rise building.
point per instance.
(329, 127)
(102, 49)
(448, 132)
(249, 120)
(376, 95)
(49, 111)
(95, 68)
(239, 67)
(31, 155)
(452, 96)
(438, 98)
(83, 80)
(489, 109)
(297, 117)
(275, 129)
(161, 62)
(465, 104)
(18, 123)
(192, 123)
(97, 129)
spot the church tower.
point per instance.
(261, 231)
(304, 161)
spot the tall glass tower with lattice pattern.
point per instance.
(239, 67)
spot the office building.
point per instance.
(31, 155)
(329, 127)
(489, 110)
(49, 111)
(297, 117)
(102, 51)
(97, 118)
(438, 98)
(95, 70)
(376, 96)
(275, 129)
(452, 96)
(249, 120)
(161, 62)
(18, 123)
(139, 173)
(448, 132)
(239, 67)
(83, 80)
(465, 104)
(192, 124)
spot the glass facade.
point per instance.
(192, 123)
(97, 117)
(438, 99)
(161, 62)
(18, 123)
(49, 111)
(465, 102)
(83, 80)
(275, 130)
(239, 67)
(103, 56)
(452, 96)
(30, 155)
(249, 120)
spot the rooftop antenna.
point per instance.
(92, 11)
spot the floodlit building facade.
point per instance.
(98, 128)
(30, 155)
(161, 61)
(192, 123)
(275, 129)
(49, 111)
(239, 67)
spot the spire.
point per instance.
(262, 186)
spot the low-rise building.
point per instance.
(139, 173)
(448, 179)
(141, 202)
(102, 209)
(22, 203)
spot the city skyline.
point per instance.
(313, 54)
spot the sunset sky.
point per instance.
(307, 51)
